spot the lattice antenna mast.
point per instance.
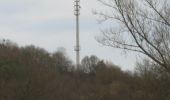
(77, 47)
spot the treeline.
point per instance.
(31, 73)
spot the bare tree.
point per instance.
(144, 27)
(89, 63)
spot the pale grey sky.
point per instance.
(50, 24)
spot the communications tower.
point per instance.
(77, 47)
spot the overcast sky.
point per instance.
(50, 24)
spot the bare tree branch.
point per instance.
(142, 29)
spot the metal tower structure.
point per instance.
(77, 47)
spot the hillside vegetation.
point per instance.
(31, 73)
